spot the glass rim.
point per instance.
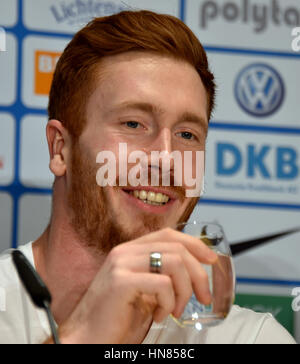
(196, 222)
(216, 237)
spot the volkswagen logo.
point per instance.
(259, 90)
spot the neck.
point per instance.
(68, 266)
(65, 263)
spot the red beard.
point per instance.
(93, 220)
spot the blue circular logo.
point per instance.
(259, 90)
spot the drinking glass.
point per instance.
(221, 278)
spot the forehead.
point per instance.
(163, 81)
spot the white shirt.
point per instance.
(22, 323)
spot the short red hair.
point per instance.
(144, 31)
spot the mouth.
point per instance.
(152, 200)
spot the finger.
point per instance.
(196, 271)
(186, 272)
(174, 266)
(200, 250)
(157, 285)
(198, 277)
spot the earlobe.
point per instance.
(57, 165)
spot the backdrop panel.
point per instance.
(252, 162)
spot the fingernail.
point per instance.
(208, 298)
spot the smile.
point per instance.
(150, 197)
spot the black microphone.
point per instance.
(35, 287)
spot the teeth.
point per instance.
(151, 197)
(159, 197)
(143, 195)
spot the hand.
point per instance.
(124, 294)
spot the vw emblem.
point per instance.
(259, 90)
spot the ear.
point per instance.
(59, 146)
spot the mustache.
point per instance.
(172, 188)
(161, 172)
(149, 176)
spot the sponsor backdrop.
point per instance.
(253, 148)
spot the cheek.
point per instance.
(193, 169)
(106, 156)
(100, 140)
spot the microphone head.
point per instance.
(31, 280)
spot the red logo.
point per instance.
(1, 163)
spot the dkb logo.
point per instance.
(267, 161)
(259, 90)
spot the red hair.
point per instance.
(144, 31)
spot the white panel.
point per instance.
(8, 13)
(34, 159)
(256, 24)
(276, 260)
(7, 148)
(8, 71)
(34, 215)
(71, 15)
(2, 40)
(5, 221)
(252, 166)
(31, 71)
(227, 69)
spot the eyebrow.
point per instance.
(143, 106)
(193, 118)
(152, 109)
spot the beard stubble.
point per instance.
(93, 220)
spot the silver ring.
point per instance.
(155, 262)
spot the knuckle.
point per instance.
(176, 260)
(117, 280)
(166, 282)
(115, 254)
(168, 232)
(114, 260)
(179, 248)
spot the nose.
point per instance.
(162, 141)
(162, 144)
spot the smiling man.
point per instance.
(140, 79)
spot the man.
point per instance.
(142, 79)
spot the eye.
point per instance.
(187, 135)
(132, 124)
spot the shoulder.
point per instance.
(8, 273)
(242, 326)
(245, 326)
(20, 321)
